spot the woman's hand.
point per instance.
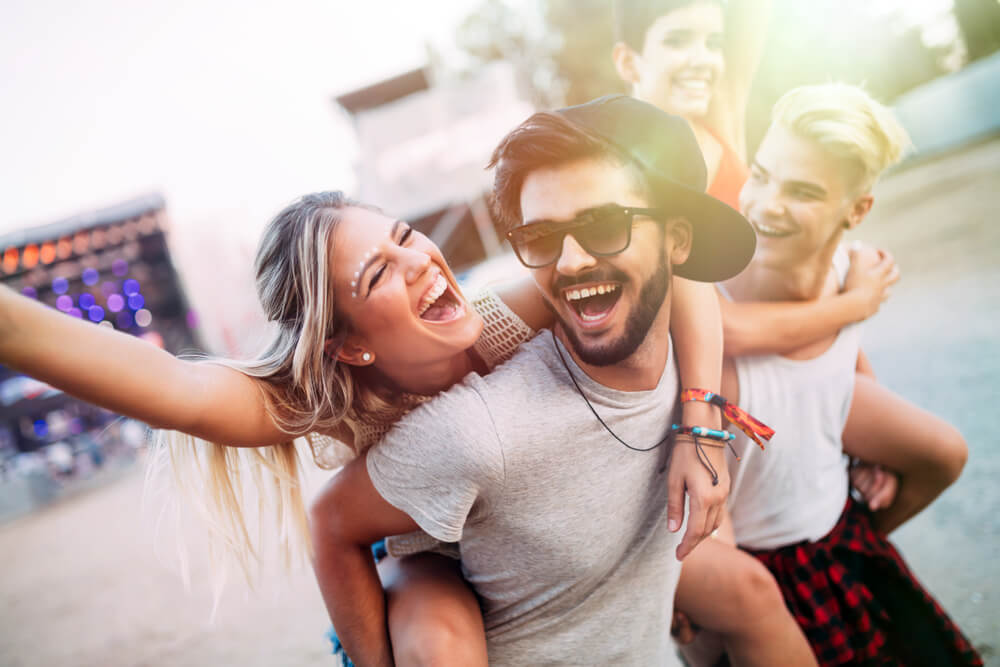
(872, 273)
(877, 486)
(688, 473)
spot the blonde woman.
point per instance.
(364, 330)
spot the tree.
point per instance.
(979, 21)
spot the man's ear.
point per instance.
(859, 209)
(625, 59)
(679, 236)
(352, 352)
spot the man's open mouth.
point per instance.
(593, 302)
(440, 303)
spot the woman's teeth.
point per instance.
(432, 295)
(692, 84)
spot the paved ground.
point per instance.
(936, 342)
(81, 585)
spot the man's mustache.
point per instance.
(599, 275)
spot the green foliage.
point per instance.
(563, 53)
(583, 56)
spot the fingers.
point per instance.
(681, 628)
(675, 500)
(886, 495)
(714, 520)
(695, 530)
(894, 275)
(883, 489)
(703, 519)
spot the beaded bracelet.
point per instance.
(703, 432)
(743, 420)
(696, 433)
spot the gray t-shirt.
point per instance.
(562, 530)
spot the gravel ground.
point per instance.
(82, 585)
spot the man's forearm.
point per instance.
(355, 601)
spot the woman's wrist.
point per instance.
(699, 413)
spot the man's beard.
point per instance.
(637, 325)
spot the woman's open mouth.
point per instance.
(440, 304)
(593, 303)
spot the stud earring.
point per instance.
(367, 356)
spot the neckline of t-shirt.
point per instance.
(607, 395)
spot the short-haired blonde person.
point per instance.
(811, 181)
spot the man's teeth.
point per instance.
(586, 292)
(439, 287)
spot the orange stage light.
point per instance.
(30, 256)
(10, 260)
(48, 252)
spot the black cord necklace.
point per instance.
(587, 401)
(702, 457)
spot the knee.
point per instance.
(439, 638)
(756, 593)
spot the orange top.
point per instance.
(730, 176)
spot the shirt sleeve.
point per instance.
(442, 463)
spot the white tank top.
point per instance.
(795, 490)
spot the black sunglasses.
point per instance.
(602, 231)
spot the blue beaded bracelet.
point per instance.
(702, 432)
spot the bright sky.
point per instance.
(224, 107)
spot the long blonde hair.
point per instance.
(307, 392)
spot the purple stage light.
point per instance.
(130, 287)
(108, 288)
(119, 267)
(90, 276)
(64, 302)
(30, 292)
(60, 285)
(75, 312)
(41, 428)
(116, 302)
(124, 320)
(192, 319)
(96, 314)
(87, 300)
(143, 318)
(136, 301)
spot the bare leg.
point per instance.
(926, 451)
(434, 617)
(729, 592)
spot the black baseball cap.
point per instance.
(665, 148)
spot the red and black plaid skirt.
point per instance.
(858, 602)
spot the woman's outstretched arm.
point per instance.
(132, 377)
(779, 328)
